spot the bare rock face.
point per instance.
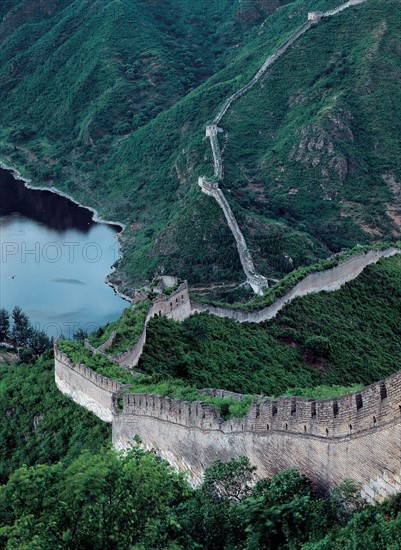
(322, 144)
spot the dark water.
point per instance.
(54, 260)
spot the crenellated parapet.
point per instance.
(84, 386)
(175, 305)
(191, 414)
(373, 407)
(354, 436)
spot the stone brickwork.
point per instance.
(103, 347)
(355, 436)
(315, 15)
(257, 282)
(328, 280)
(175, 306)
(87, 388)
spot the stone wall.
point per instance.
(343, 7)
(175, 306)
(257, 282)
(355, 436)
(328, 280)
(84, 386)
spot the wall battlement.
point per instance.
(373, 407)
(175, 306)
(353, 436)
(329, 280)
(84, 386)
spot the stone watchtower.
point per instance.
(315, 15)
(212, 130)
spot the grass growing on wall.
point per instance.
(351, 336)
(128, 328)
(154, 385)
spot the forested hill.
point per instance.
(108, 100)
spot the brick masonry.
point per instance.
(355, 436)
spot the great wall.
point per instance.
(210, 186)
(354, 436)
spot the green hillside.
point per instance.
(347, 337)
(323, 153)
(39, 425)
(108, 101)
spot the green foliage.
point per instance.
(79, 354)
(355, 334)
(229, 481)
(4, 324)
(119, 125)
(289, 281)
(155, 385)
(23, 334)
(128, 328)
(97, 501)
(38, 423)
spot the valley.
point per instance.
(240, 389)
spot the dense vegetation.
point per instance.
(107, 100)
(19, 332)
(351, 336)
(311, 155)
(38, 424)
(137, 501)
(127, 328)
(61, 487)
(239, 298)
(323, 156)
(154, 384)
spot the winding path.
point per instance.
(211, 186)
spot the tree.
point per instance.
(211, 518)
(107, 500)
(229, 480)
(318, 346)
(38, 341)
(80, 334)
(22, 329)
(4, 324)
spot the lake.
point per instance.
(54, 260)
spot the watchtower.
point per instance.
(315, 15)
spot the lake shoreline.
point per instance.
(28, 184)
(95, 216)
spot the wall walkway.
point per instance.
(355, 436)
(257, 282)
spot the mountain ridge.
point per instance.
(151, 178)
